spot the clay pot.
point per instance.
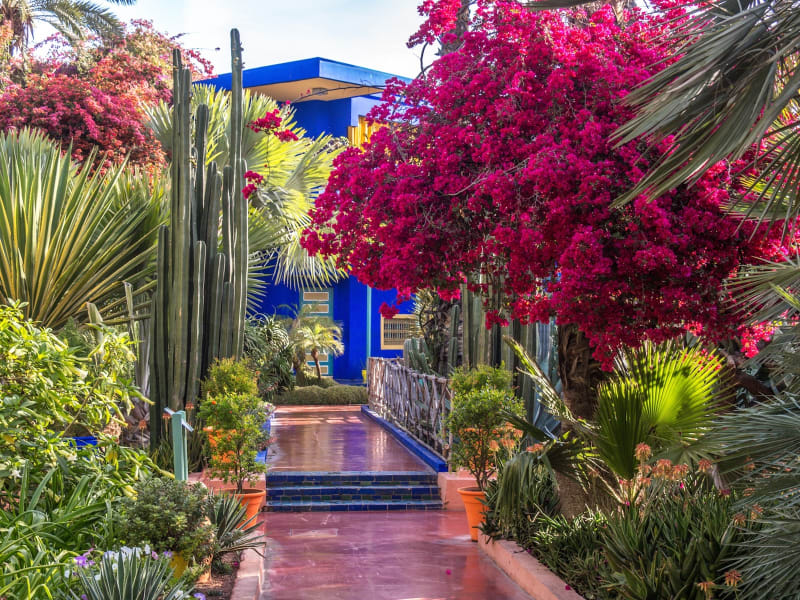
(251, 499)
(475, 507)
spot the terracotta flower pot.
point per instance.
(251, 499)
(476, 509)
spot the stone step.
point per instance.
(350, 478)
(323, 493)
(352, 506)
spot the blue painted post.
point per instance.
(369, 321)
(180, 452)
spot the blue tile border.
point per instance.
(433, 460)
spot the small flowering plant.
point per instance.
(146, 574)
(239, 422)
(481, 435)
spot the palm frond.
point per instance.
(723, 97)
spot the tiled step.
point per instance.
(322, 493)
(350, 478)
(352, 506)
(299, 491)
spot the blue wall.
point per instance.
(332, 116)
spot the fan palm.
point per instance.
(663, 395)
(312, 335)
(294, 173)
(68, 237)
(74, 19)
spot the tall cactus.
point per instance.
(198, 309)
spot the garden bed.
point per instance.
(220, 586)
(528, 573)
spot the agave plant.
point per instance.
(68, 236)
(294, 173)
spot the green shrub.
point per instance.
(481, 435)
(47, 391)
(464, 380)
(228, 376)
(323, 382)
(315, 395)
(572, 548)
(237, 421)
(169, 515)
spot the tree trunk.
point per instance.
(580, 373)
(461, 26)
(315, 356)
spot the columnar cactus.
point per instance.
(198, 309)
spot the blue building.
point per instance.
(333, 97)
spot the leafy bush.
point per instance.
(267, 348)
(464, 379)
(228, 376)
(47, 390)
(237, 421)
(572, 548)
(169, 515)
(480, 431)
(327, 396)
(130, 574)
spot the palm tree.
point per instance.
(319, 335)
(74, 19)
(312, 335)
(294, 173)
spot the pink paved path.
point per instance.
(414, 555)
(335, 438)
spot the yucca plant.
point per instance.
(130, 574)
(69, 236)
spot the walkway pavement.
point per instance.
(335, 438)
(414, 555)
(403, 555)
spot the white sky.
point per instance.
(368, 33)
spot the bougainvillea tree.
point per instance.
(497, 166)
(94, 96)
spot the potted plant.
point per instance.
(480, 437)
(170, 516)
(238, 421)
(226, 376)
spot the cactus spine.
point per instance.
(198, 309)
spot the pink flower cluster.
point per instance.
(497, 163)
(270, 123)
